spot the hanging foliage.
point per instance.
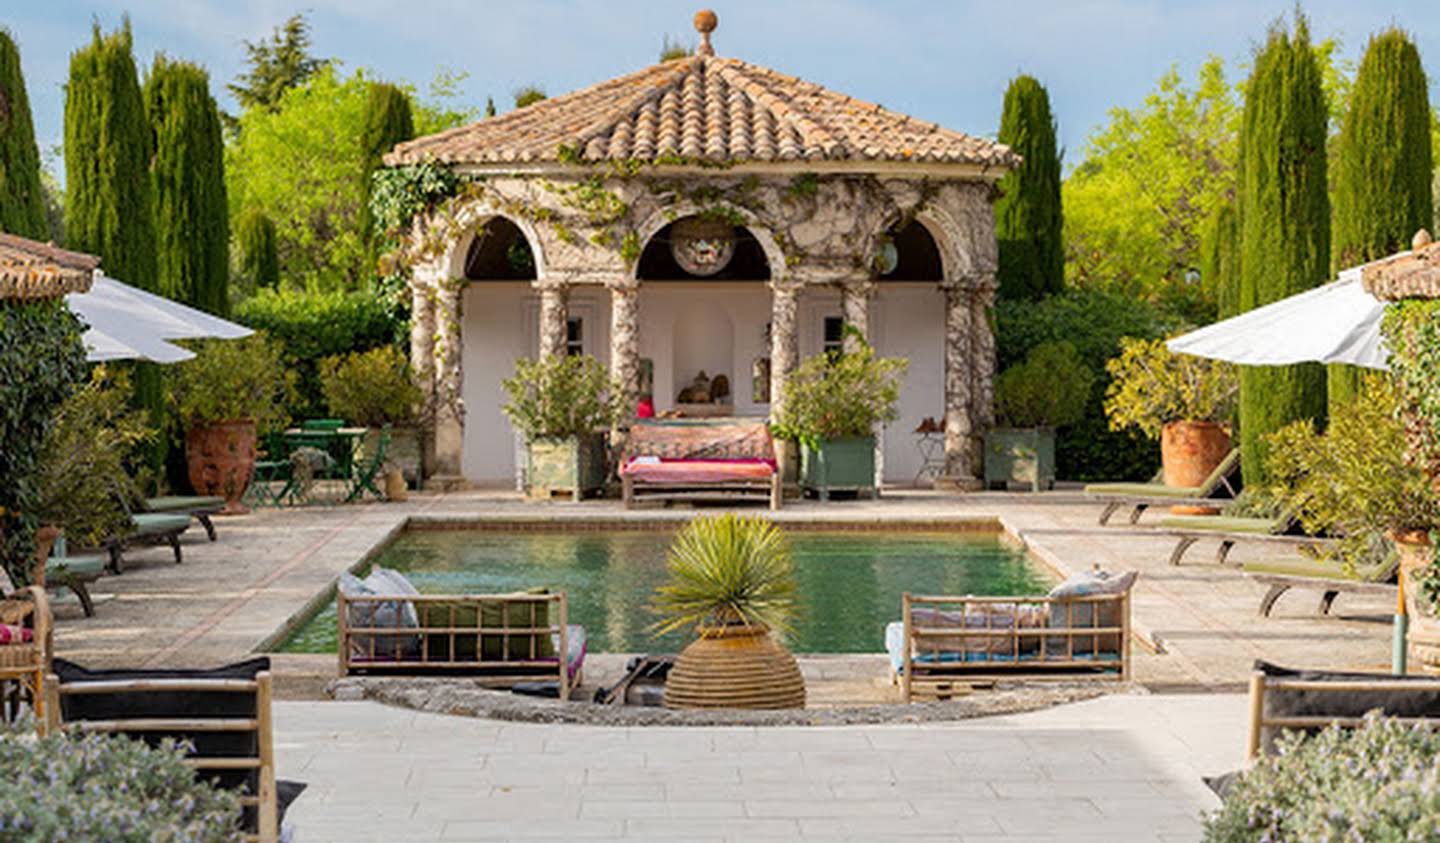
(387, 121)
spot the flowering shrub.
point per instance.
(1152, 387)
(1380, 782)
(98, 787)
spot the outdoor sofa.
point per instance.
(1082, 628)
(224, 714)
(387, 628)
(689, 459)
(1230, 530)
(1329, 577)
(1141, 496)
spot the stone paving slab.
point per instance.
(1123, 767)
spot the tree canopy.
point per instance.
(276, 64)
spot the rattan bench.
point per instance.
(1409, 699)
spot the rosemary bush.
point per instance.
(1380, 782)
(561, 396)
(840, 396)
(111, 788)
(1049, 389)
(1151, 387)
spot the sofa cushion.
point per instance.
(1078, 615)
(1395, 703)
(397, 614)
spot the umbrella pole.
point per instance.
(1402, 624)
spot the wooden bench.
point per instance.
(242, 718)
(947, 642)
(696, 460)
(1321, 705)
(500, 639)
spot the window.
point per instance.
(575, 337)
(834, 335)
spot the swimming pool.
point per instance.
(850, 582)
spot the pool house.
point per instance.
(700, 226)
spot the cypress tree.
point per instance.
(109, 210)
(192, 217)
(1220, 258)
(1028, 215)
(387, 121)
(1382, 187)
(255, 235)
(1285, 226)
(22, 198)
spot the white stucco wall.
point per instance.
(684, 326)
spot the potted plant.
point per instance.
(563, 405)
(1356, 482)
(373, 389)
(1184, 400)
(833, 404)
(733, 580)
(1049, 389)
(231, 389)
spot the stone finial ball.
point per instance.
(1420, 240)
(705, 21)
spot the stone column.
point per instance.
(449, 406)
(983, 351)
(625, 345)
(855, 307)
(422, 364)
(959, 400)
(784, 341)
(554, 317)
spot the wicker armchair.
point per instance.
(24, 664)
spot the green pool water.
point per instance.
(849, 582)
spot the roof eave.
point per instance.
(964, 171)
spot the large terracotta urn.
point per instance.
(735, 666)
(221, 461)
(1423, 636)
(1189, 452)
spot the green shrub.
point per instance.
(1380, 782)
(87, 470)
(99, 787)
(839, 396)
(231, 380)
(41, 361)
(370, 388)
(313, 326)
(1354, 479)
(1093, 321)
(561, 396)
(1050, 389)
(1151, 387)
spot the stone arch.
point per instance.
(947, 236)
(659, 220)
(469, 220)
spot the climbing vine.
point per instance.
(1412, 333)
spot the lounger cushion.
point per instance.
(1222, 524)
(1301, 567)
(1141, 490)
(159, 523)
(184, 503)
(86, 566)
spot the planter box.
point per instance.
(1020, 455)
(839, 465)
(575, 466)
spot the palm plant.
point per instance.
(727, 570)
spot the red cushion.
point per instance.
(14, 634)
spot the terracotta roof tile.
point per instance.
(1412, 274)
(30, 269)
(704, 108)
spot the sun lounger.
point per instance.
(1144, 495)
(501, 639)
(200, 508)
(1189, 529)
(150, 528)
(1329, 577)
(75, 573)
(695, 459)
(224, 714)
(945, 642)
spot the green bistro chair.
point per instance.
(362, 479)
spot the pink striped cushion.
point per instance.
(14, 634)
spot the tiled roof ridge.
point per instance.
(30, 269)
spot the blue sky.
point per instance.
(941, 60)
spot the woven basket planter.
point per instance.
(736, 666)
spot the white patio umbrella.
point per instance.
(129, 323)
(1335, 323)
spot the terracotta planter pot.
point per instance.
(1189, 451)
(1423, 637)
(221, 461)
(737, 666)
